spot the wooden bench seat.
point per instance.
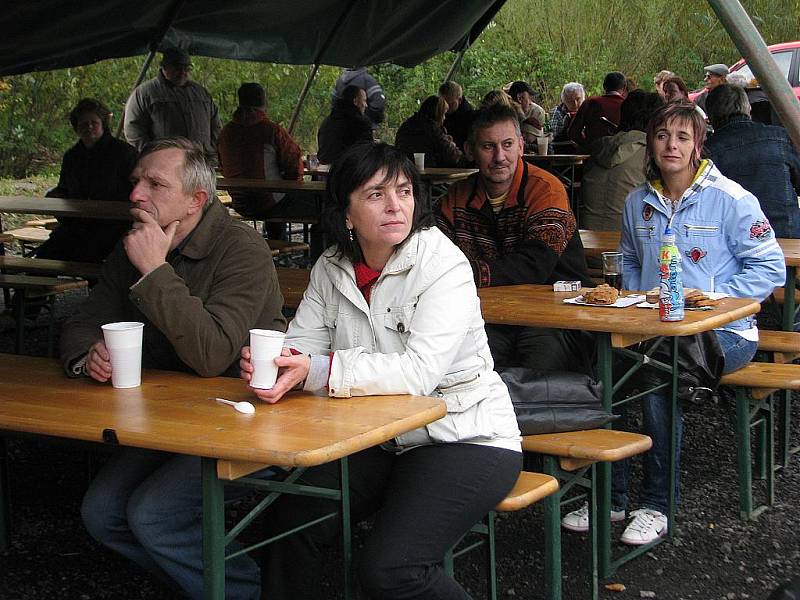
(46, 223)
(286, 247)
(779, 294)
(29, 234)
(787, 342)
(529, 488)
(755, 385)
(48, 265)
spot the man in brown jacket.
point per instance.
(198, 280)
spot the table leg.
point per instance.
(603, 469)
(788, 299)
(673, 410)
(213, 532)
(5, 513)
(19, 317)
(347, 548)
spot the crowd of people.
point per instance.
(392, 304)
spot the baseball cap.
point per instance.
(176, 57)
(717, 69)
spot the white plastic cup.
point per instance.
(124, 343)
(541, 145)
(265, 345)
(419, 160)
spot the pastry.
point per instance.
(602, 294)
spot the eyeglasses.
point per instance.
(710, 75)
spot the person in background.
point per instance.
(572, 96)
(514, 223)
(761, 158)
(97, 167)
(172, 105)
(345, 126)
(716, 74)
(392, 308)
(253, 147)
(199, 280)
(376, 100)
(659, 80)
(534, 116)
(424, 132)
(617, 164)
(459, 112)
(727, 246)
(599, 115)
(675, 90)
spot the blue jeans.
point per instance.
(147, 506)
(737, 352)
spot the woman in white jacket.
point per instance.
(392, 309)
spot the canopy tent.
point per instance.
(54, 34)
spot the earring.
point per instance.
(352, 235)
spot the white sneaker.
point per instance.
(578, 520)
(647, 525)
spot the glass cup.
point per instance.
(612, 269)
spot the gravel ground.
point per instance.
(712, 556)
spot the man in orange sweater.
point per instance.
(513, 222)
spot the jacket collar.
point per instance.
(516, 193)
(209, 231)
(707, 174)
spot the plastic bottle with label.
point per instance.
(670, 297)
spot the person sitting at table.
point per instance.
(514, 223)
(252, 146)
(459, 112)
(392, 308)
(572, 96)
(97, 167)
(423, 132)
(198, 280)
(345, 126)
(727, 246)
(617, 164)
(599, 115)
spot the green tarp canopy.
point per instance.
(52, 34)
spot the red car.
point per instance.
(786, 55)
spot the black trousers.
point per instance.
(423, 500)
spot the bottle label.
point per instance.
(670, 305)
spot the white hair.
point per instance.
(573, 87)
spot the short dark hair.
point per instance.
(677, 82)
(518, 87)
(349, 94)
(349, 172)
(252, 95)
(674, 111)
(725, 102)
(433, 107)
(491, 115)
(637, 108)
(90, 105)
(614, 81)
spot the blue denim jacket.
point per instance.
(762, 160)
(726, 243)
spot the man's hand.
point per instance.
(98, 362)
(292, 370)
(147, 244)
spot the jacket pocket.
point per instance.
(469, 415)
(398, 318)
(702, 230)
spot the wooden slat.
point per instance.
(778, 341)
(606, 445)
(44, 285)
(765, 376)
(46, 223)
(270, 185)
(286, 247)
(529, 488)
(293, 284)
(30, 234)
(66, 207)
(48, 265)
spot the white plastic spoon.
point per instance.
(242, 407)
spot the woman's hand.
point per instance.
(292, 369)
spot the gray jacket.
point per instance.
(158, 109)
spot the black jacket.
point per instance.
(344, 127)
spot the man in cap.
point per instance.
(171, 105)
(715, 75)
(253, 147)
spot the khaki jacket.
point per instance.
(197, 308)
(422, 334)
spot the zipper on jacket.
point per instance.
(460, 383)
(706, 228)
(649, 229)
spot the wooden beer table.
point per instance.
(615, 329)
(173, 412)
(65, 207)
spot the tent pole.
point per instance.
(169, 18)
(309, 80)
(456, 64)
(317, 62)
(750, 43)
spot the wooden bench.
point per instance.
(29, 287)
(755, 385)
(47, 265)
(46, 223)
(29, 237)
(569, 456)
(529, 488)
(287, 247)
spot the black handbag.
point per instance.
(554, 401)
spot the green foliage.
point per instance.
(545, 42)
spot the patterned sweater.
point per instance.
(533, 239)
